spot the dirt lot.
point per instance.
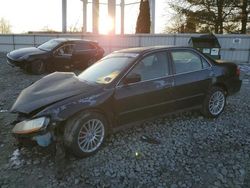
(193, 151)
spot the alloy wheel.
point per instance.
(216, 102)
(91, 135)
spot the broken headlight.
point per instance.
(31, 126)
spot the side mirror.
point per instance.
(132, 78)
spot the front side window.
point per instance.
(185, 61)
(66, 49)
(152, 67)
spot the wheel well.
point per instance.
(96, 110)
(106, 116)
(222, 86)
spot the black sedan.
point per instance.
(124, 87)
(56, 54)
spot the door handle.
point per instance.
(169, 84)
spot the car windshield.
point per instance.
(108, 68)
(49, 45)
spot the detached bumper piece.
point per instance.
(33, 130)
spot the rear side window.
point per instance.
(205, 64)
(84, 46)
(185, 61)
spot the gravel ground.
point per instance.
(192, 151)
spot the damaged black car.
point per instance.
(124, 87)
(58, 54)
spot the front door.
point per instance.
(151, 95)
(62, 57)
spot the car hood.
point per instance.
(16, 54)
(50, 89)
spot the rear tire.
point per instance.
(38, 67)
(214, 103)
(85, 133)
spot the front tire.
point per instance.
(214, 102)
(38, 67)
(85, 133)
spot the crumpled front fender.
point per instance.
(62, 110)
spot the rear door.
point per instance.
(193, 75)
(84, 54)
(148, 97)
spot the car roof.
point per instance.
(73, 40)
(142, 50)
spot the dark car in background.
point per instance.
(126, 86)
(56, 55)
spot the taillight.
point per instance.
(237, 71)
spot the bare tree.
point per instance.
(47, 29)
(5, 27)
(177, 24)
(74, 29)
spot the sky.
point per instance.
(37, 15)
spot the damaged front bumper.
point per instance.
(34, 130)
(15, 63)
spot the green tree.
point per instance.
(214, 15)
(5, 27)
(242, 14)
(143, 21)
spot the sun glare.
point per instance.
(106, 25)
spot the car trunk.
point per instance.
(231, 68)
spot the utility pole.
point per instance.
(111, 12)
(64, 16)
(152, 10)
(84, 21)
(95, 16)
(122, 17)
